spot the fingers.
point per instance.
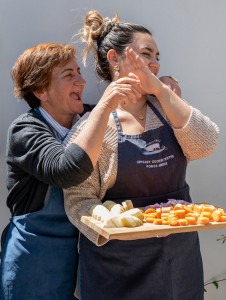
(123, 90)
(132, 80)
(127, 86)
(148, 81)
(128, 79)
(134, 76)
(135, 59)
(132, 61)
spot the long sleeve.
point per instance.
(198, 138)
(33, 149)
(35, 160)
(79, 199)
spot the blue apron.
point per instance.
(39, 254)
(151, 168)
(43, 245)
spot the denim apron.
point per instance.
(151, 168)
(39, 255)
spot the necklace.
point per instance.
(139, 116)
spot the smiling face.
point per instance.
(63, 97)
(145, 46)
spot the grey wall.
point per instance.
(192, 43)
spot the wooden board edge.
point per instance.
(163, 232)
(96, 226)
(143, 231)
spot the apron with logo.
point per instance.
(151, 169)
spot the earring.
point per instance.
(116, 69)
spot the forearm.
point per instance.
(177, 110)
(32, 149)
(76, 207)
(91, 137)
(79, 200)
(198, 139)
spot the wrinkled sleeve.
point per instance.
(79, 199)
(32, 148)
(199, 137)
(78, 202)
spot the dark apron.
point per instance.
(39, 254)
(151, 168)
(39, 260)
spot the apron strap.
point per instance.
(157, 113)
(118, 127)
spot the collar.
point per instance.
(58, 130)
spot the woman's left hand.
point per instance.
(177, 111)
(149, 83)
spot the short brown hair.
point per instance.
(32, 71)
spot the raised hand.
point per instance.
(149, 83)
(123, 90)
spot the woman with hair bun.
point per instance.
(166, 268)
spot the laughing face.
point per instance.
(145, 46)
(63, 97)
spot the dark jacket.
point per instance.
(36, 160)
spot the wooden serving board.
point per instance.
(145, 231)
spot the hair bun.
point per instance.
(95, 30)
(108, 25)
(94, 24)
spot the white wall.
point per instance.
(192, 43)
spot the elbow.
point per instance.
(204, 151)
(70, 180)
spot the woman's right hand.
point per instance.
(121, 91)
(91, 137)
